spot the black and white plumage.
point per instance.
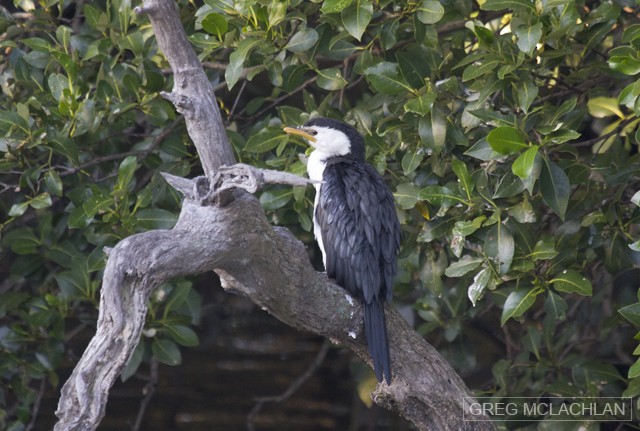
(355, 224)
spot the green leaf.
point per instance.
(303, 40)
(133, 41)
(516, 5)
(37, 44)
(480, 281)
(555, 187)
(79, 218)
(631, 313)
(634, 370)
(155, 218)
(215, 24)
(53, 182)
(481, 150)
(97, 203)
(625, 64)
(523, 165)
(357, 16)
(22, 241)
(633, 389)
(556, 306)
(527, 92)
(205, 41)
(484, 35)
(430, 12)
(9, 120)
(236, 60)
(414, 63)
(166, 351)
(561, 136)
(499, 246)
(276, 198)
(463, 266)
(74, 284)
(464, 177)
(439, 195)
(96, 18)
(183, 335)
(331, 79)
(334, 6)
(480, 68)
(549, 4)
(420, 105)
(631, 33)
(43, 200)
(571, 281)
(431, 271)
(601, 107)
(509, 185)
(432, 130)
(407, 195)
(265, 141)
(506, 140)
(178, 297)
(517, 303)
(523, 212)
(411, 160)
(532, 340)
(18, 209)
(126, 170)
(629, 94)
(467, 227)
(528, 37)
(385, 78)
(544, 249)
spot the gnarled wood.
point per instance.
(271, 267)
(232, 236)
(192, 93)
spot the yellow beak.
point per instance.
(300, 132)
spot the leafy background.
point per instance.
(507, 129)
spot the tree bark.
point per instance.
(222, 228)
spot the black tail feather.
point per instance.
(375, 328)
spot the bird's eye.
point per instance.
(313, 132)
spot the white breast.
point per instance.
(315, 169)
(315, 166)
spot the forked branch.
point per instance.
(223, 228)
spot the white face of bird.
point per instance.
(327, 140)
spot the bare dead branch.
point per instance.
(192, 93)
(222, 228)
(293, 387)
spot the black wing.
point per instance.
(360, 229)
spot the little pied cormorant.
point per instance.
(355, 224)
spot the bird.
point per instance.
(355, 225)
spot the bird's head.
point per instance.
(331, 137)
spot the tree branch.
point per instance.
(293, 387)
(222, 228)
(271, 267)
(192, 93)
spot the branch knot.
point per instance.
(217, 187)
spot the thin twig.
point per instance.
(285, 96)
(235, 103)
(148, 391)
(589, 142)
(36, 405)
(157, 140)
(293, 387)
